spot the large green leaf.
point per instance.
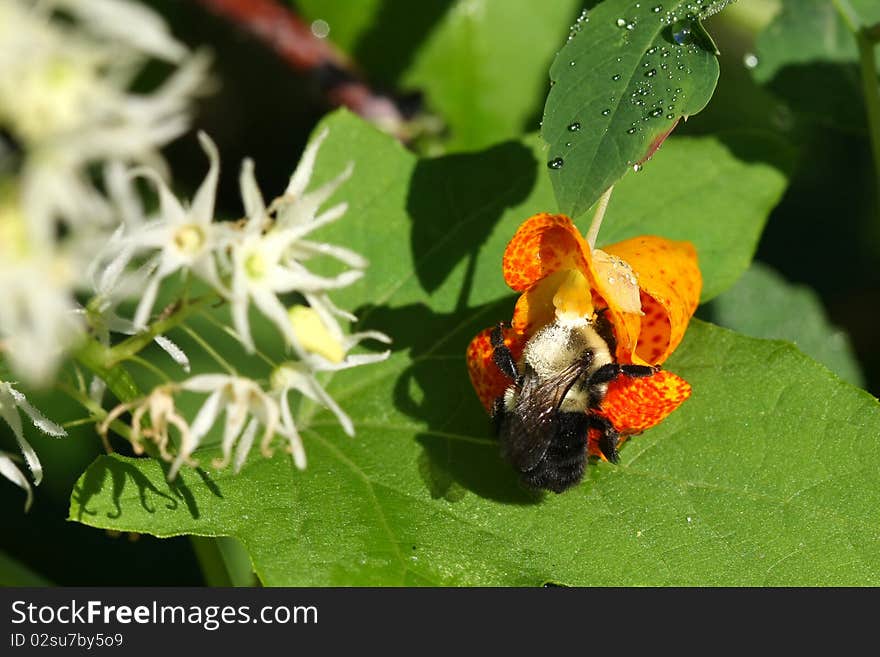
(764, 477)
(482, 66)
(692, 189)
(421, 494)
(626, 75)
(764, 305)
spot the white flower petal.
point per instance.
(254, 205)
(10, 471)
(303, 173)
(172, 349)
(40, 421)
(244, 445)
(203, 203)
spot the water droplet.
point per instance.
(615, 77)
(637, 167)
(631, 131)
(657, 9)
(657, 111)
(681, 33)
(621, 22)
(555, 163)
(606, 112)
(631, 25)
(574, 127)
(568, 144)
(750, 60)
(571, 63)
(670, 116)
(651, 73)
(320, 28)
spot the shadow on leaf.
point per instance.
(455, 202)
(122, 475)
(460, 452)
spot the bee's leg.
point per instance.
(611, 371)
(605, 329)
(609, 439)
(499, 410)
(502, 356)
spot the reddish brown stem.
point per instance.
(280, 29)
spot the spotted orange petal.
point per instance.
(670, 283)
(633, 405)
(488, 381)
(543, 244)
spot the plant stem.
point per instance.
(599, 215)
(865, 38)
(871, 91)
(136, 343)
(224, 562)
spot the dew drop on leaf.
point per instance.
(574, 127)
(615, 77)
(555, 163)
(637, 167)
(681, 33)
(606, 112)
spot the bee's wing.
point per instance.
(531, 425)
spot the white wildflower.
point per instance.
(11, 402)
(65, 99)
(38, 319)
(185, 238)
(238, 398)
(327, 351)
(267, 256)
(159, 407)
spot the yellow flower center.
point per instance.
(313, 334)
(189, 240)
(255, 266)
(573, 300)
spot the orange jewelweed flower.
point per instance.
(648, 288)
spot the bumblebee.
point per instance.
(545, 415)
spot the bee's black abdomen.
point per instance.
(565, 460)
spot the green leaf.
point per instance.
(485, 67)
(859, 14)
(763, 477)
(763, 304)
(421, 495)
(482, 66)
(808, 57)
(620, 84)
(706, 206)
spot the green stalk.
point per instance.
(224, 562)
(866, 37)
(871, 91)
